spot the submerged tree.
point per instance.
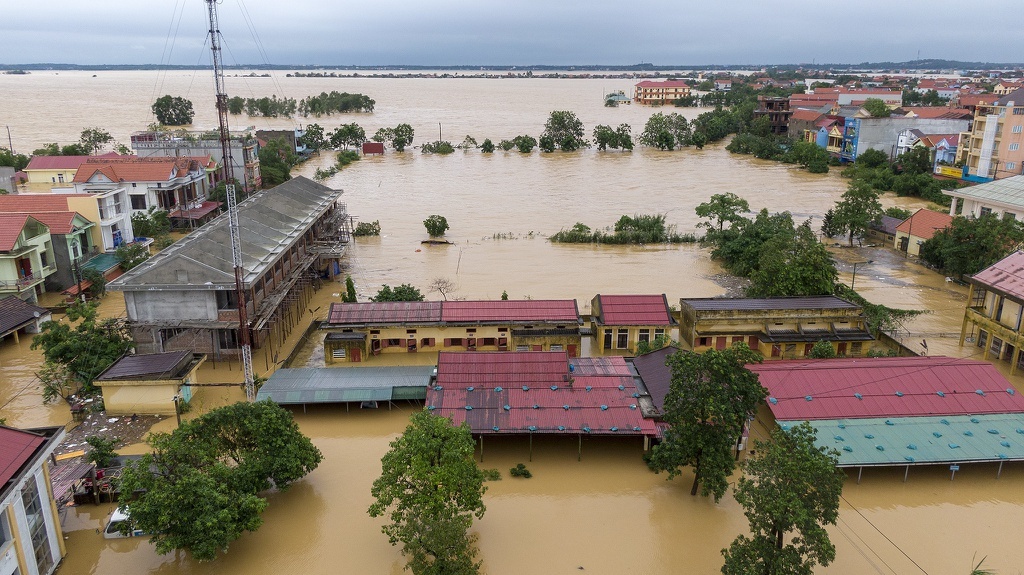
(404, 292)
(857, 210)
(710, 397)
(173, 110)
(199, 488)
(430, 488)
(436, 225)
(789, 492)
(84, 345)
(565, 131)
(722, 209)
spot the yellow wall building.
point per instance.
(995, 311)
(624, 322)
(360, 332)
(151, 384)
(778, 328)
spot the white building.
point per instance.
(1004, 198)
(31, 539)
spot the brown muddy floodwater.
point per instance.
(605, 514)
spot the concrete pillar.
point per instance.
(952, 207)
(1014, 359)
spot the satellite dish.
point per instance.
(35, 314)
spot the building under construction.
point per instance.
(292, 236)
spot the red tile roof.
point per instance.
(805, 115)
(663, 84)
(34, 203)
(196, 213)
(134, 169)
(1006, 275)
(939, 112)
(10, 230)
(58, 222)
(885, 387)
(634, 310)
(16, 449)
(385, 312)
(924, 223)
(534, 392)
(560, 310)
(65, 162)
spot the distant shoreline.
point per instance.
(916, 65)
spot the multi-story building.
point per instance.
(622, 322)
(359, 331)
(992, 149)
(70, 232)
(107, 210)
(175, 185)
(1004, 198)
(778, 113)
(779, 328)
(244, 150)
(184, 297)
(663, 92)
(26, 256)
(31, 539)
(994, 318)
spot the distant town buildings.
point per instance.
(660, 92)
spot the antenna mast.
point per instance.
(236, 244)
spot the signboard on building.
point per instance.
(949, 171)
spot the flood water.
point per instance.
(606, 513)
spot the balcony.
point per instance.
(25, 282)
(111, 212)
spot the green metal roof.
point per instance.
(922, 440)
(1007, 191)
(346, 384)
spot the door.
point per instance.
(538, 348)
(356, 354)
(841, 348)
(571, 349)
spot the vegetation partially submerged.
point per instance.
(639, 229)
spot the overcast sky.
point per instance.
(510, 32)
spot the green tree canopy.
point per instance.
(404, 292)
(347, 135)
(607, 137)
(314, 138)
(722, 208)
(789, 491)
(436, 225)
(793, 264)
(970, 245)
(199, 488)
(565, 130)
(430, 488)
(16, 161)
(877, 108)
(857, 209)
(276, 161)
(399, 137)
(665, 131)
(84, 344)
(92, 140)
(823, 350)
(710, 397)
(173, 110)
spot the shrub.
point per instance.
(367, 229)
(520, 470)
(102, 453)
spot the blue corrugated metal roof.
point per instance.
(346, 384)
(922, 440)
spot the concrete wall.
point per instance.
(146, 398)
(632, 337)
(882, 133)
(64, 277)
(166, 304)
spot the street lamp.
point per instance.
(855, 264)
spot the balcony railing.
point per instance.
(21, 283)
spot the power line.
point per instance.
(880, 532)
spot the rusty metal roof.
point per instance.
(148, 366)
(633, 310)
(1006, 275)
(385, 312)
(534, 392)
(885, 387)
(560, 310)
(771, 303)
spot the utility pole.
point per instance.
(236, 247)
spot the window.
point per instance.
(622, 338)
(374, 332)
(471, 330)
(37, 525)
(856, 347)
(5, 529)
(138, 202)
(1017, 129)
(556, 347)
(1010, 166)
(986, 211)
(394, 341)
(645, 335)
(427, 342)
(1014, 147)
(659, 332)
(1018, 111)
(522, 348)
(1009, 216)
(703, 342)
(410, 331)
(607, 339)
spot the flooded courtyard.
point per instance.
(606, 514)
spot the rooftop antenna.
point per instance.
(229, 178)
